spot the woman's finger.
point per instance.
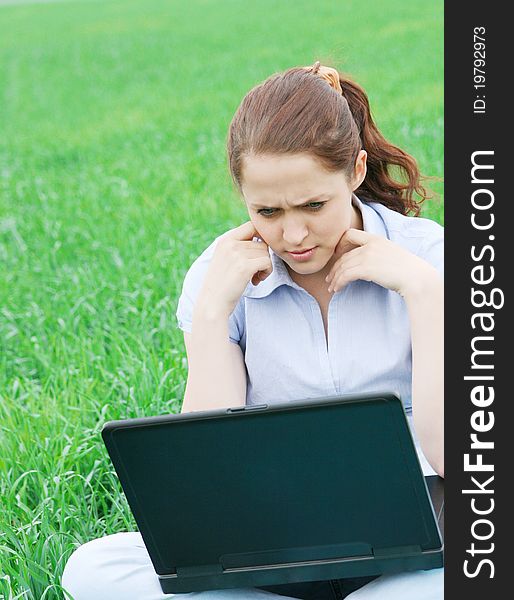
(259, 277)
(350, 239)
(341, 262)
(358, 236)
(260, 263)
(245, 232)
(346, 276)
(254, 244)
(263, 269)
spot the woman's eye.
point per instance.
(267, 212)
(315, 205)
(270, 212)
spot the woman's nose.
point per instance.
(294, 232)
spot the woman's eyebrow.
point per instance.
(313, 199)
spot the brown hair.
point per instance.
(297, 111)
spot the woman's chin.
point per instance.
(306, 268)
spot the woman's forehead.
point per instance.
(281, 166)
(290, 178)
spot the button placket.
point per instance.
(323, 353)
(336, 344)
(333, 343)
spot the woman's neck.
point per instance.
(315, 283)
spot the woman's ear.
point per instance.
(360, 169)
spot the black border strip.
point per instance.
(468, 131)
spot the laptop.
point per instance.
(260, 495)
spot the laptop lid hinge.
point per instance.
(396, 551)
(199, 570)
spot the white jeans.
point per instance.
(117, 567)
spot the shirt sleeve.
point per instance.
(191, 287)
(432, 250)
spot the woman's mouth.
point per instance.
(302, 255)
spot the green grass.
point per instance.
(113, 177)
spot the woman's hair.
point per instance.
(297, 111)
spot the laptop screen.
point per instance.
(291, 482)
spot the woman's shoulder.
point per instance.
(407, 226)
(191, 288)
(419, 235)
(197, 271)
(414, 233)
(201, 262)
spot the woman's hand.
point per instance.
(362, 255)
(237, 260)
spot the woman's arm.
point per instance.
(425, 304)
(217, 373)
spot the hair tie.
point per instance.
(315, 67)
(330, 75)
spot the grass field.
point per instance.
(113, 177)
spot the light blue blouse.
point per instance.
(280, 328)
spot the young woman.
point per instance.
(329, 288)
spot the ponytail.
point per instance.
(379, 185)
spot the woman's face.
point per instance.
(299, 209)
